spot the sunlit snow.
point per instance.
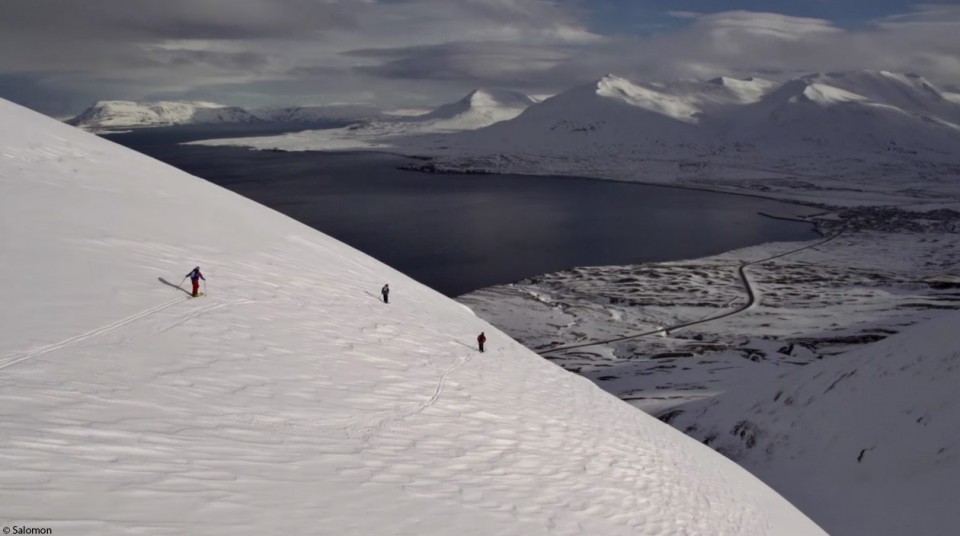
(290, 399)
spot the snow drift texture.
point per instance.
(290, 399)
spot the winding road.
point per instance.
(751, 300)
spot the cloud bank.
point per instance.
(58, 56)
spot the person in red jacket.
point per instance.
(481, 339)
(195, 277)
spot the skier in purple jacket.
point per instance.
(195, 277)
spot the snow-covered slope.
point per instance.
(480, 108)
(290, 399)
(908, 92)
(126, 114)
(595, 118)
(856, 113)
(610, 109)
(867, 443)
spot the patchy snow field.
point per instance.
(811, 304)
(290, 399)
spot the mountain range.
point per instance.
(480, 108)
(862, 131)
(843, 111)
(118, 114)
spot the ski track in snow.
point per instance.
(10, 360)
(13, 359)
(369, 430)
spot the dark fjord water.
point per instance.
(458, 233)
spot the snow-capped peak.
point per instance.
(869, 80)
(107, 114)
(485, 97)
(683, 100)
(745, 90)
(830, 95)
(908, 92)
(479, 108)
(655, 100)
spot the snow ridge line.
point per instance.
(13, 359)
(751, 301)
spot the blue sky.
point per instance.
(59, 57)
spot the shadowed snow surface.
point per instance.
(866, 441)
(290, 399)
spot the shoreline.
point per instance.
(421, 158)
(583, 177)
(425, 160)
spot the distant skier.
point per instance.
(195, 277)
(386, 293)
(481, 339)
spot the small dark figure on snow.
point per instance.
(481, 339)
(195, 277)
(386, 293)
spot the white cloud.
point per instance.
(181, 45)
(412, 52)
(747, 25)
(774, 45)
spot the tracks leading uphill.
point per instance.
(13, 359)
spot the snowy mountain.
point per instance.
(873, 109)
(613, 111)
(873, 430)
(290, 398)
(480, 108)
(857, 113)
(314, 114)
(908, 92)
(127, 114)
(726, 133)
(846, 129)
(613, 106)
